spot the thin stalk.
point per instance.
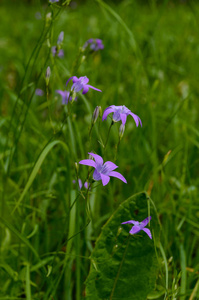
(49, 108)
(116, 150)
(108, 137)
(77, 251)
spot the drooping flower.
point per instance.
(57, 52)
(138, 226)
(120, 113)
(53, 1)
(81, 83)
(94, 44)
(65, 96)
(39, 92)
(103, 171)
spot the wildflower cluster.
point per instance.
(102, 170)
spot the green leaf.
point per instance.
(37, 166)
(124, 266)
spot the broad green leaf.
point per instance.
(124, 266)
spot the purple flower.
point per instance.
(39, 92)
(53, 1)
(65, 96)
(55, 51)
(81, 83)
(95, 44)
(120, 113)
(138, 226)
(102, 171)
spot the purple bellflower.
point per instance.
(53, 1)
(65, 96)
(103, 171)
(138, 226)
(120, 113)
(94, 44)
(81, 83)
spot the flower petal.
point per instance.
(85, 89)
(107, 111)
(88, 162)
(147, 232)
(98, 158)
(61, 53)
(108, 167)
(145, 222)
(92, 87)
(70, 79)
(84, 80)
(117, 175)
(136, 119)
(131, 222)
(96, 175)
(134, 230)
(64, 95)
(80, 183)
(123, 118)
(77, 86)
(105, 179)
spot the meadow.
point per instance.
(99, 127)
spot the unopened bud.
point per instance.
(76, 167)
(73, 96)
(48, 73)
(121, 130)
(83, 58)
(60, 38)
(96, 114)
(48, 18)
(90, 157)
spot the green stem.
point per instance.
(77, 250)
(108, 137)
(116, 150)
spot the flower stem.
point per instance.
(49, 109)
(108, 137)
(116, 150)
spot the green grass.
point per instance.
(149, 63)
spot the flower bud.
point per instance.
(60, 38)
(121, 131)
(48, 73)
(48, 18)
(96, 114)
(76, 167)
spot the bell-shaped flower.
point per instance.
(103, 171)
(138, 226)
(120, 113)
(81, 83)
